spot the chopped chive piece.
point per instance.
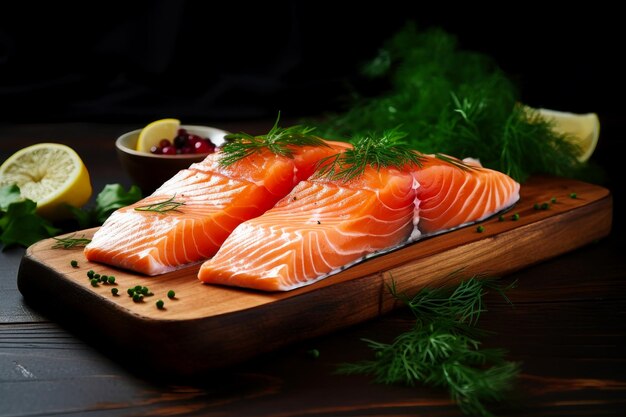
(138, 288)
(111, 279)
(501, 218)
(145, 290)
(160, 304)
(515, 217)
(131, 291)
(480, 229)
(137, 297)
(545, 206)
(96, 276)
(104, 279)
(114, 290)
(171, 294)
(313, 353)
(74, 263)
(90, 273)
(573, 195)
(536, 206)
(553, 200)
(94, 282)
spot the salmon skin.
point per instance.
(214, 199)
(322, 226)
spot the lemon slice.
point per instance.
(581, 129)
(152, 134)
(50, 174)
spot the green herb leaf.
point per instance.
(278, 140)
(9, 194)
(387, 150)
(113, 197)
(20, 225)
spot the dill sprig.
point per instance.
(278, 140)
(456, 162)
(442, 348)
(162, 207)
(457, 103)
(70, 242)
(387, 150)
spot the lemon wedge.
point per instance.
(152, 134)
(581, 129)
(50, 174)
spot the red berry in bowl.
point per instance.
(202, 147)
(164, 142)
(155, 150)
(186, 149)
(169, 150)
(181, 132)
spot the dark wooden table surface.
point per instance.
(568, 328)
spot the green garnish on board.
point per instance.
(454, 102)
(442, 348)
(387, 150)
(278, 140)
(70, 242)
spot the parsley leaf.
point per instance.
(111, 198)
(20, 225)
(9, 194)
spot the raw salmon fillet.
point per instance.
(216, 200)
(451, 197)
(319, 227)
(323, 226)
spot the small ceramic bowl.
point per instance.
(148, 170)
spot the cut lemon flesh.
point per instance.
(52, 175)
(581, 129)
(152, 134)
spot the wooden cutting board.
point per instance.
(211, 326)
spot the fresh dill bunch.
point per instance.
(387, 150)
(457, 103)
(442, 348)
(278, 140)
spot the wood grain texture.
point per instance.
(210, 326)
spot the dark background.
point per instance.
(209, 61)
(213, 62)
